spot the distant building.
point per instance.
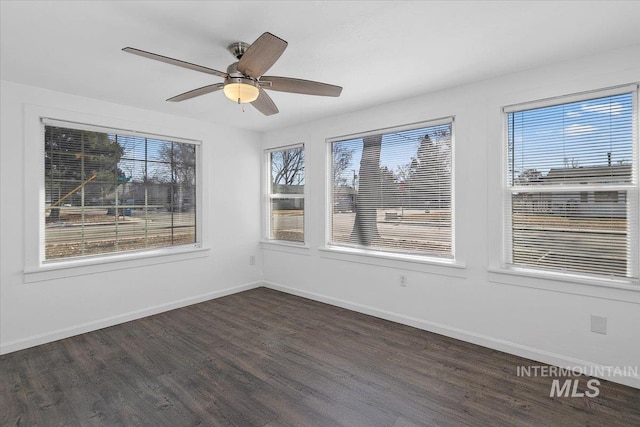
(344, 199)
(593, 204)
(287, 204)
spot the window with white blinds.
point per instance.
(572, 181)
(109, 191)
(286, 194)
(392, 190)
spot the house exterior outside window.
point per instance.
(572, 185)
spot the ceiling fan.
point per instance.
(244, 81)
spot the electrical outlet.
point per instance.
(252, 260)
(403, 280)
(599, 324)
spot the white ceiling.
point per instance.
(378, 51)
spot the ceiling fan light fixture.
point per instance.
(241, 90)
(245, 80)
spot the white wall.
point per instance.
(546, 320)
(35, 312)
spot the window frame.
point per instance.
(36, 268)
(373, 255)
(632, 196)
(271, 196)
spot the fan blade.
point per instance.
(261, 55)
(173, 61)
(306, 87)
(196, 92)
(265, 104)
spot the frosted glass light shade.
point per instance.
(241, 92)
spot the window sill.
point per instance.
(423, 264)
(284, 246)
(79, 267)
(627, 290)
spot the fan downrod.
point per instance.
(238, 49)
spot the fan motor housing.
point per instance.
(243, 80)
(232, 71)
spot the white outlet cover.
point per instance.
(599, 324)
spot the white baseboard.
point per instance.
(532, 353)
(120, 318)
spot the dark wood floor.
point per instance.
(264, 358)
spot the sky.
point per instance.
(398, 148)
(577, 134)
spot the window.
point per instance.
(572, 184)
(109, 191)
(286, 194)
(391, 190)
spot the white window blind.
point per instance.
(107, 191)
(573, 185)
(286, 194)
(392, 190)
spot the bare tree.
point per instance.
(365, 227)
(528, 176)
(403, 172)
(571, 162)
(180, 158)
(287, 167)
(341, 161)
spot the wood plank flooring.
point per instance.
(264, 358)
